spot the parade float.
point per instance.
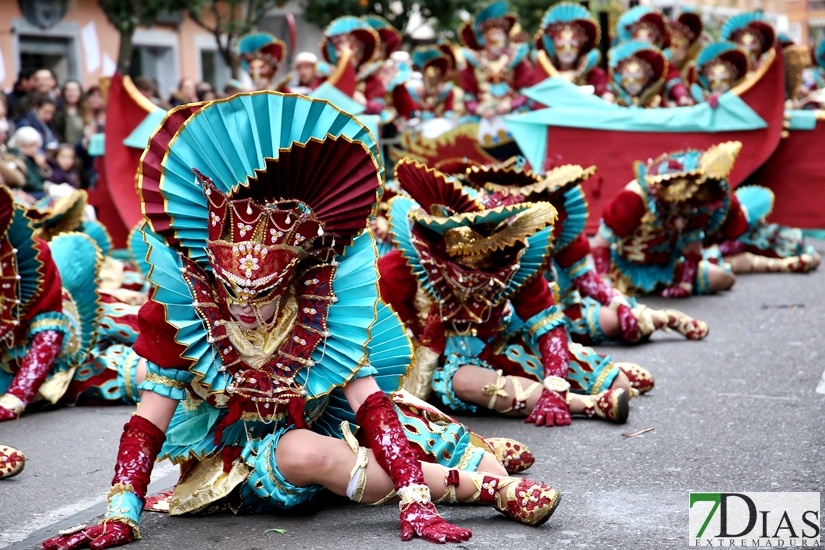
(580, 128)
(794, 171)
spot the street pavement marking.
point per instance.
(56, 516)
(772, 397)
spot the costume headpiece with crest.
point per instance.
(495, 15)
(689, 175)
(753, 24)
(391, 38)
(643, 19)
(256, 198)
(364, 40)
(466, 256)
(567, 18)
(642, 60)
(261, 54)
(718, 55)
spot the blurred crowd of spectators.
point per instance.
(46, 128)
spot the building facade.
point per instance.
(74, 39)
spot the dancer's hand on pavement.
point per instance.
(104, 535)
(550, 410)
(628, 323)
(675, 292)
(422, 520)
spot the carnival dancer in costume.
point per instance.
(637, 74)
(351, 44)
(818, 71)
(265, 332)
(686, 40)
(261, 56)
(496, 70)
(812, 89)
(467, 280)
(650, 238)
(750, 244)
(751, 32)
(50, 309)
(719, 67)
(432, 97)
(596, 312)
(570, 37)
(649, 25)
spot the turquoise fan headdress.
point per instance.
(391, 38)
(640, 17)
(297, 150)
(78, 259)
(424, 57)
(100, 235)
(727, 53)
(750, 22)
(363, 37)
(564, 15)
(496, 14)
(262, 47)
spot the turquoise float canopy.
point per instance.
(570, 108)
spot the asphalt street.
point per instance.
(736, 412)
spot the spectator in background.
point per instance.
(73, 114)
(40, 118)
(42, 84)
(206, 92)
(187, 92)
(20, 90)
(63, 162)
(8, 125)
(232, 87)
(12, 167)
(26, 143)
(305, 66)
(149, 89)
(97, 107)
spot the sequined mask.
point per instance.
(720, 76)
(644, 31)
(567, 41)
(635, 74)
(254, 249)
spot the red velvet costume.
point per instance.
(472, 301)
(669, 206)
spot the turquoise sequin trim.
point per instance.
(125, 507)
(702, 284)
(266, 488)
(577, 210)
(169, 383)
(540, 324)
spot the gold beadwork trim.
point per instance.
(544, 322)
(163, 380)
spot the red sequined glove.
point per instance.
(550, 410)
(36, 366)
(385, 436)
(554, 353)
(601, 259)
(628, 323)
(140, 445)
(105, 535)
(689, 268)
(590, 284)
